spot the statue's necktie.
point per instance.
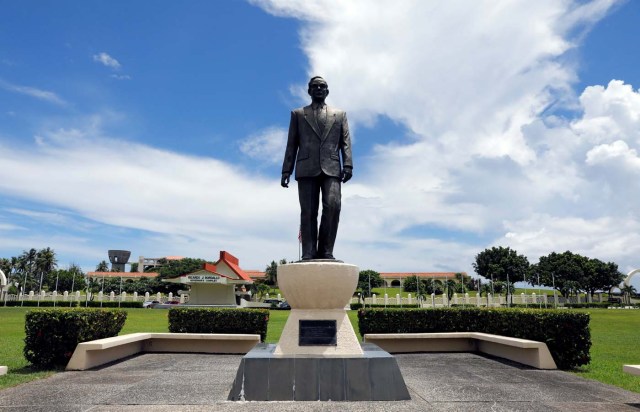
(321, 118)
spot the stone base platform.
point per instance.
(372, 376)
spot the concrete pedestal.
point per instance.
(318, 356)
(318, 291)
(372, 376)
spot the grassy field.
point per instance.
(615, 335)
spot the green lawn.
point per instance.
(615, 335)
(616, 341)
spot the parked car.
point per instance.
(284, 305)
(273, 302)
(149, 304)
(172, 302)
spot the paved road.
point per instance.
(436, 382)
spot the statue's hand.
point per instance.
(284, 181)
(346, 175)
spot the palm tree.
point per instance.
(628, 290)
(26, 266)
(46, 263)
(449, 287)
(102, 266)
(486, 289)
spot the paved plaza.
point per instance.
(199, 382)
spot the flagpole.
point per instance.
(300, 243)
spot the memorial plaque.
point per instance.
(317, 333)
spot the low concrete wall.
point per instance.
(632, 369)
(527, 352)
(90, 354)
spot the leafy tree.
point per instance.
(471, 284)
(66, 278)
(415, 285)
(134, 267)
(566, 271)
(503, 264)
(601, 276)
(367, 280)
(258, 289)
(102, 266)
(499, 262)
(271, 272)
(262, 289)
(175, 268)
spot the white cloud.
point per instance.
(210, 204)
(471, 80)
(55, 218)
(7, 227)
(106, 60)
(39, 94)
(266, 145)
(617, 151)
(120, 76)
(611, 238)
(483, 165)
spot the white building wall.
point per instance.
(212, 294)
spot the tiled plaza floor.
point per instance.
(436, 382)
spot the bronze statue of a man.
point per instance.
(318, 135)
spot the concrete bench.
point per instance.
(527, 352)
(94, 353)
(631, 369)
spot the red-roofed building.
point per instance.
(255, 274)
(215, 284)
(395, 279)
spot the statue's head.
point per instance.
(318, 88)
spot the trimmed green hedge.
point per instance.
(53, 334)
(566, 333)
(81, 304)
(43, 304)
(219, 320)
(356, 306)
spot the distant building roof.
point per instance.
(234, 264)
(122, 274)
(439, 275)
(255, 274)
(226, 267)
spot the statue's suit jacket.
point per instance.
(314, 153)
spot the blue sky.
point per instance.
(161, 129)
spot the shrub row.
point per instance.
(53, 334)
(565, 333)
(601, 305)
(43, 304)
(73, 304)
(219, 320)
(356, 306)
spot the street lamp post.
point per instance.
(555, 300)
